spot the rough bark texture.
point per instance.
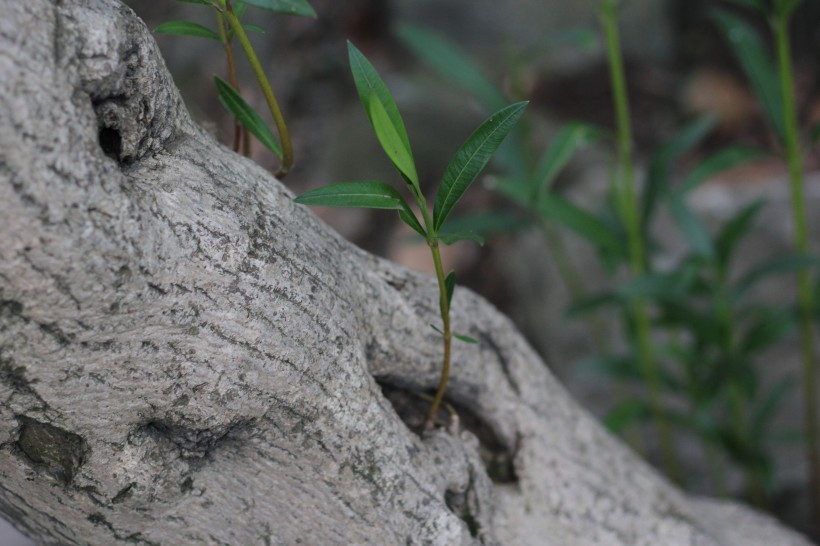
(187, 357)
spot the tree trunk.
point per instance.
(188, 357)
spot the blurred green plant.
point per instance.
(229, 26)
(463, 169)
(773, 83)
(695, 333)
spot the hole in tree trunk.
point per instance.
(110, 142)
(412, 406)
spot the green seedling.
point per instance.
(527, 183)
(465, 166)
(229, 26)
(773, 83)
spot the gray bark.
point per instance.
(188, 357)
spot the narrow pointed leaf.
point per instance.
(247, 116)
(446, 59)
(288, 7)
(449, 238)
(762, 416)
(409, 218)
(471, 158)
(391, 141)
(661, 163)
(767, 329)
(450, 286)
(757, 65)
(691, 226)
(556, 208)
(660, 286)
(514, 189)
(721, 161)
(775, 266)
(627, 413)
(570, 138)
(239, 9)
(437, 329)
(186, 28)
(486, 223)
(465, 339)
(365, 194)
(735, 229)
(367, 81)
(254, 28)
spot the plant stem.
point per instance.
(804, 287)
(626, 201)
(444, 306)
(267, 91)
(240, 134)
(571, 278)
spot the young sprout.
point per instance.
(465, 166)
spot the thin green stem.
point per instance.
(571, 278)
(267, 91)
(804, 287)
(627, 203)
(444, 306)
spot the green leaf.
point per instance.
(465, 339)
(445, 58)
(187, 28)
(391, 140)
(762, 416)
(691, 226)
(627, 413)
(660, 286)
(769, 327)
(247, 116)
(485, 223)
(569, 139)
(735, 229)
(288, 7)
(461, 337)
(660, 165)
(239, 9)
(556, 208)
(205, 2)
(515, 189)
(367, 80)
(253, 28)
(773, 267)
(450, 286)
(757, 65)
(471, 158)
(721, 161)
(365, 194)
(449, 238)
